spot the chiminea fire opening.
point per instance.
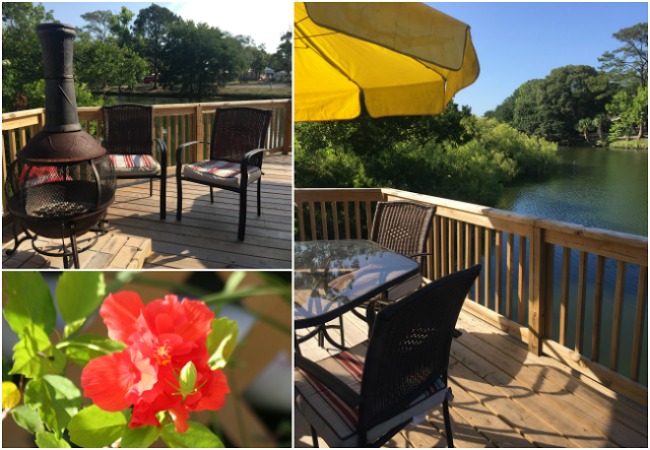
(62, 181)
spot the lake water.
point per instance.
(593, 187)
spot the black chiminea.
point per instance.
(62, 181)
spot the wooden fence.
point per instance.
(573, 293)
(175, 124)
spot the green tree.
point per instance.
(131, 67)
(281, 59)
(585, 126)
(628, 64)
(99, 24)
(254, 59)
(120, 26)
(22, 57)
(629, 112)
(551, 108)
(152, 25)
(199, 58)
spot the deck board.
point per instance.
(505, 396)
(206, 237)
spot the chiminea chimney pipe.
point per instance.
(62, 139)
(57, 42)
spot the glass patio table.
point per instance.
(333, 277)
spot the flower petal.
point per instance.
(191, 319)
(180, 416)
(107, 380)
(120, 312)
(213, 393)
(198, 322)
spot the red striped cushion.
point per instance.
(221, 169)
(35, 175)
(220, 172)
(138, 164)
(335, 421)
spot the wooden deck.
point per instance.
(206, 238)
(112, 250)
(505, 396)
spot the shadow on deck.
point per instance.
(206, 238)
(505, 396)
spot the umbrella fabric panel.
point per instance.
(399, 79)
(413, 29)
(324, 90)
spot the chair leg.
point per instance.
(445, 411)
(163, 198)
(179, 198)
(211, 195)
(150, 187)
(314, 436)
(242, 214)
(259, 197)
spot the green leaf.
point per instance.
(234, 280)
(141, 437)
(48, 440)
(82, 349)
(221, 342)
(73, 327)
(94, 427)
(55, 398)
(30, 302)
(27, 418)
(197, 436)
(34, 354)
(79, 294)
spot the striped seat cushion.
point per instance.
(334, 420)
(131, 164)
(35, 175)
(220, 172)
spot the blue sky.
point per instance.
(264, 21)
(517, 42)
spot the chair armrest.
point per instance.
(343, 391)
(249, 155)
(163, 151)
(180, 148)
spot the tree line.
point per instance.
(119, 50)
(575, 102)
(461, 156)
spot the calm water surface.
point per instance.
(593, 187)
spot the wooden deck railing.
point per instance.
(573, 293)
(175, 124)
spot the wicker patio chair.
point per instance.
(364, 396)
(235, 160)
(402, 227)
(128, 137)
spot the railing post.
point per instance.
(288, 128)
(198, 136)
(537, 291)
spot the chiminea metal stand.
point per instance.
(69, 253)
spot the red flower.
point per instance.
(162, 337)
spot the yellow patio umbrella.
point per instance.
(398, 58)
